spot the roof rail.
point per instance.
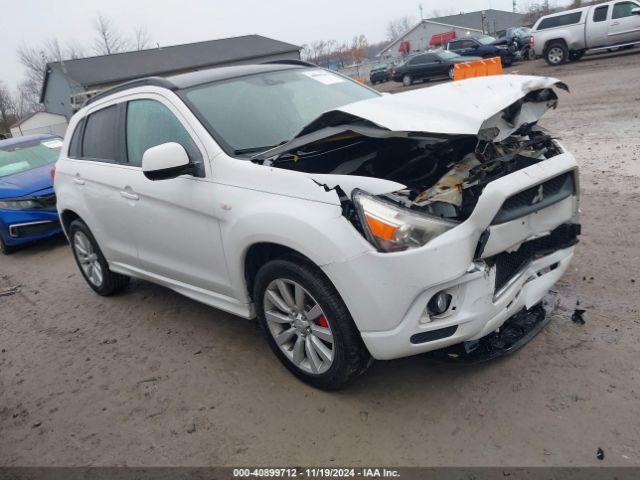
(302, 63)
(140, 82)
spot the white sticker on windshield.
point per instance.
(325, 77)
(53, 143)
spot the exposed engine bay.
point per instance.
(443, 177)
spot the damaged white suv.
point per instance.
(352, 225)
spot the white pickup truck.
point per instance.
(566, 36)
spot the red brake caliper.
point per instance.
(323, 321)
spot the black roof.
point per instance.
(208, 75)
(121, 67)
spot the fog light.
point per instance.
(439, 303)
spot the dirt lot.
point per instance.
(152, 378)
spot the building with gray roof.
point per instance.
(68, 84)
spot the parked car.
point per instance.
(568, 35)
(380, 72)
(519, 40)
(425, 66)
(325, 209)
(27, 200)
(482, 46)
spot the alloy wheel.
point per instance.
(299, 326)
(555, 55)
(88, 258)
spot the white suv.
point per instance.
(352, 225)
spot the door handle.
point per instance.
(615, 23)
(78, 181)
(129, 195)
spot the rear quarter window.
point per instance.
(560, 21)
(75, 150)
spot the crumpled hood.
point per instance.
(454, 108)
(474, 106)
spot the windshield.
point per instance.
(486, 40)
(447, 55)
(28, 155)
(251, 114)
(379, 66)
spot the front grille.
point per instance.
(535, 198)
(508, 264)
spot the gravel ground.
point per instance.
(152, 378)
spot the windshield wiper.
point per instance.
(242, 151)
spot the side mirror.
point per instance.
(165, 161)
(635, 11)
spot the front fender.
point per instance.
(316, 230)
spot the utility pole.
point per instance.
(514, 6)
(421, 15)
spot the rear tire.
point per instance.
(556, 54)
(91, 261)
(293, 323)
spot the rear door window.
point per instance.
(600, 13)
(150, 123)
(560, 20)
(419, 60)
(100, 140)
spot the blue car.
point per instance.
(482, 46)
(27, 200)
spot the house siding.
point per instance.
(41, 122)
(420, 37)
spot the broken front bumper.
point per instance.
(387, 293)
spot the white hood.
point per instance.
(455, 108)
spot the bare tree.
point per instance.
(34, 59)
(398, 27)
(7, 116)
(142, 38)
(24, 101)
(108, 39)
(359, 48)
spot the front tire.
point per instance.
(452, 73)
(407, 80)
(91, 261)
(307, 324)
(6, 249)
(556, 54)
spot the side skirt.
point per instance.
(213, 299)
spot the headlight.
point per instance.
(392, 228)
(17, 204)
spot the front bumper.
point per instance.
(24, 226)
(387, 293)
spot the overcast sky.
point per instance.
(171, 22)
